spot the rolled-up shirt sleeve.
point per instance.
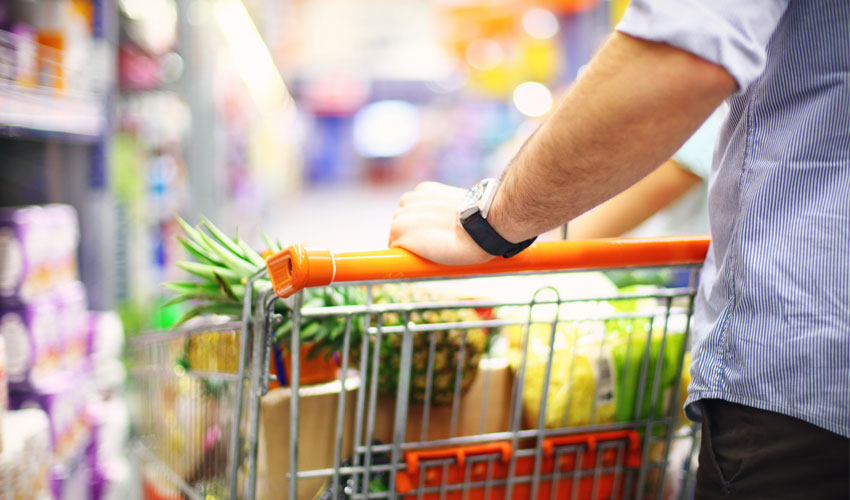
(730, 33)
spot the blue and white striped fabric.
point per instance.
(772, 326)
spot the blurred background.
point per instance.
(301, 119)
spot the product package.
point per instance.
(105, 336)
(37, 250)
(105, 342)
(64, 402)
(599, 367)
(72, 322)
(113, 481)
(23, 244)
(107, 455)
(72, 482)
(63, 224)
(26, 459)
(110, 420)
(32, 342)
(25, 55)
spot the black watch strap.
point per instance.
(489, 240)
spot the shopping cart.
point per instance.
(596, 416)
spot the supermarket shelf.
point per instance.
(39, 115)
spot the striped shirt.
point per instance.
(772, 320)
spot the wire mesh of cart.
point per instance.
(195, 405)
(446, 383)
(521, 378)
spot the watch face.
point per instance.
(475, 198)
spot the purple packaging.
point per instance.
(71, 484)
(32, 342)
(64, 402)
(22, 249)
(64, 226)
(72, 324)
(37, 250)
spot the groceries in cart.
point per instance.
(223, 266)
(595, 365)
(556, 384)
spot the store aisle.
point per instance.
(338, 217)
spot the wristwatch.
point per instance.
(472, 215)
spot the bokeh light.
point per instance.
(384, 129)
(540, 23)
(532, 99)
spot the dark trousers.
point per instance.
(750, 453)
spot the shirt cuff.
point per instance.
(733, 35)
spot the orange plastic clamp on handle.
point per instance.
(299, 267)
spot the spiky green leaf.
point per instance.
(225, 288)
(193, 233)
(234, 262)
(208, 272)
(198, 253)
(222, 238)
(251, 254)
(269, 244)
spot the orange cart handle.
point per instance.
(299, 267)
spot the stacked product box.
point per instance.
(110, 416)
(63, 360)
(42, 305)
(26, 459)
(47, 45)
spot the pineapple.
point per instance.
(447, 345)
(224, 266)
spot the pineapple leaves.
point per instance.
(225, 288)
(193, 234)
(221, 266)
(271, 246)
(222, 238)
(251, 254)
(208, 272)
(197, 252)
(212, 308)
(233, 261)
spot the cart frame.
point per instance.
(297, 268)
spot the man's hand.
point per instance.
(426, 224)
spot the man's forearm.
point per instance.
(635, 105)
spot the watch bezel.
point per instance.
(483, 192)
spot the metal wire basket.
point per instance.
(450, 384)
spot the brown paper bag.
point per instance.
(316, 434)
(469, 421)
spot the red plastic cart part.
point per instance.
(458, 453)
(632, 457)
(152, 492)
(404, 481)
(407, 479)
(298, 267)
(631, 436)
